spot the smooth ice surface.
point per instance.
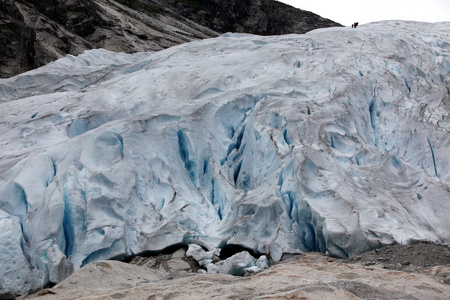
(334, 141)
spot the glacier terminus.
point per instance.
(334, 141)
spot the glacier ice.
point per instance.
(238, 264)
(334, 141)
(201, 256)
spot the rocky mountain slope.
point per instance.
(34, 33)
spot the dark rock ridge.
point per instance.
(17, 51)
(36, 32)
(263, 17)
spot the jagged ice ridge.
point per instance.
(334, 141)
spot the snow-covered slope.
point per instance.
(334, 141)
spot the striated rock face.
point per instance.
(17, 52)
(34, 33)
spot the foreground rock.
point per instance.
(312, 275)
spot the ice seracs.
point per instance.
(238, 264)
(334, 141)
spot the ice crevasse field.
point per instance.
(334, 141)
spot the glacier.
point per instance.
(334, 141)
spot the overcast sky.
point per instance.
(365, 11)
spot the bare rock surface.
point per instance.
(417, 258)
(264, 17)
(7, 295)
(309, 276)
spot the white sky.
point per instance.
(347, 12)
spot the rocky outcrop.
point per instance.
(36, 32)
(309, 276)
(17, 52)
